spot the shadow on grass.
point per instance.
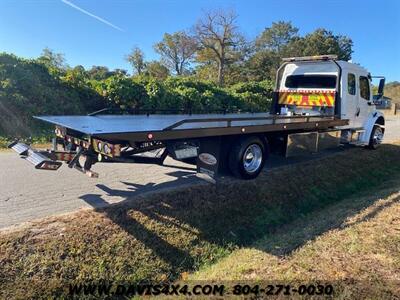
(238, 213)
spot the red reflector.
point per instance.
(150, 136)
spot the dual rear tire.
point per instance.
(247, 157)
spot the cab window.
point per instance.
(351, 84)
(364, 88)
(311, 81)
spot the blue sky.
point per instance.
(26, 27)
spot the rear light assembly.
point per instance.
(61, 132)
(106, 149)
(100, 146)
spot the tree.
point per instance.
(270, 46)
(76, 76)
(277, 36)
(263, 65)
(323, 41)
(136, 59)
(282, 40)
(122, 72)
(99, 73)
(218, 35)
(177, 50)
(55, 62)
(157, 70)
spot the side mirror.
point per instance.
(381, 87)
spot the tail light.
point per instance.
(105, 148)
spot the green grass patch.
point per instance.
(160, 236)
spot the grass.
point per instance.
(357, 251)
(162, 236)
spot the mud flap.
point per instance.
(209, 158)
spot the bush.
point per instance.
(123, 92)
(256, 96)
(28, 88)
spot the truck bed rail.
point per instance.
(230, 120)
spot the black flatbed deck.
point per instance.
(164, 127)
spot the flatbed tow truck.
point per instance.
(319, 103)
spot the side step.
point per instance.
(356, 135)
(38, 159)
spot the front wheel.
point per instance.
(376, 137)
(247, 158)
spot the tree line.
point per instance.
(210, 67)
(215, 49)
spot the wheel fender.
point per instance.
(375, 117)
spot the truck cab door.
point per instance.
(364, 100)
(350, 101)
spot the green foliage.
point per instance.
(99, 73)
(263, 65)
(4, 142)
(157, 70)
(282, 40)
(55, 62)
(256, 95)
(136, 59)
(277, 36)
(323, 41)
(156, 93)
(124, 92)
(182, 94)
(28, 88)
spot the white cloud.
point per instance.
(91, 15)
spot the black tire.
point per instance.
(376, 137)
(239, 166)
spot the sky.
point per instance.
(101, 32)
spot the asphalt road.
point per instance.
(27, 194)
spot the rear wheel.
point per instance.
(376, 137)
(247, 158)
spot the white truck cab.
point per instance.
(323, 85)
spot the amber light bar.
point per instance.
(310, 58)
(61, 133)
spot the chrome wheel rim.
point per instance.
(252, 158)
(378, 136)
